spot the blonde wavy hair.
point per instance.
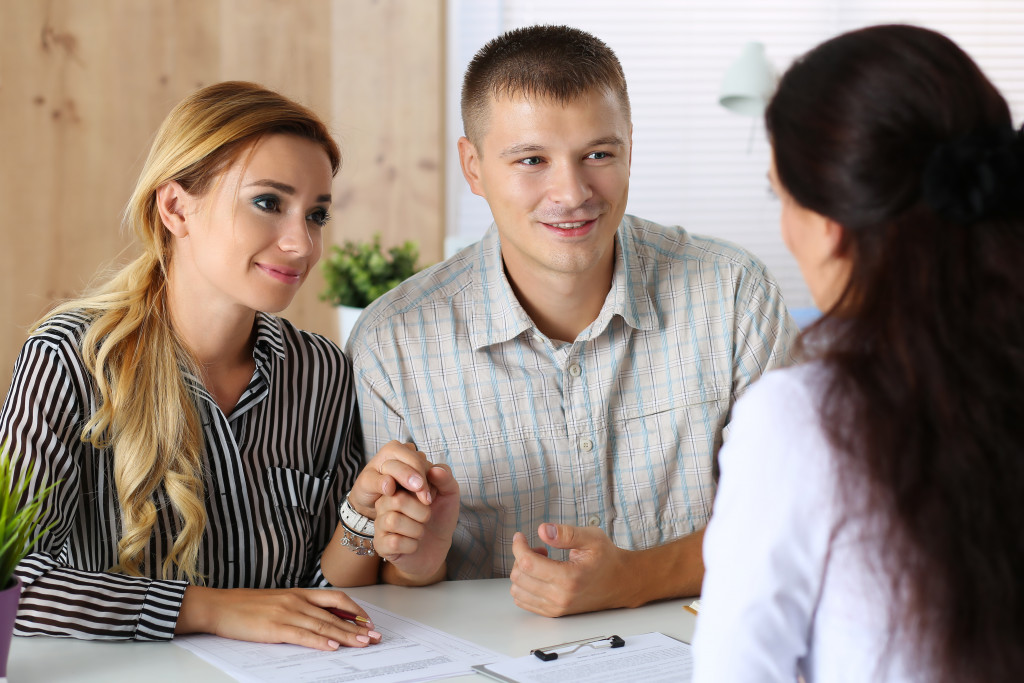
(146, 411)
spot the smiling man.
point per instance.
(576, 368)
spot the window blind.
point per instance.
(696, 164)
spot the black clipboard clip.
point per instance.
(550, 653)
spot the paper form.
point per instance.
(409, 651)
(651, 657)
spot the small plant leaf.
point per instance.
(19, 512)
(358, 273)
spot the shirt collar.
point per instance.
(269, 339)
(500, 317)
(629, 296)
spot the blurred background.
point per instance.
(84, 84)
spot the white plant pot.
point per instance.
(347, 316)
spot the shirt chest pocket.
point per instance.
(663, 462)
(298, 501)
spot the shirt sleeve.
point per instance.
(42, 419)
(379, 406)
(765, 331)
(765, 548)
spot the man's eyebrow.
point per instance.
(520, 149)
(532, 148)
(284, 187)
(609, 140)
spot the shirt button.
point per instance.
(575, 370)
(594, 520)
(587, 445)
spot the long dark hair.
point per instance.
(894, 133)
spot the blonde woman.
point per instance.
(203, 447)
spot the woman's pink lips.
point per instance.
(282, 273)
(572, 232)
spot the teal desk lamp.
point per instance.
(749, 82)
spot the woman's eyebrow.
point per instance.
(284, 187)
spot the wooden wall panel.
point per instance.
(85, 83)
(393, 171)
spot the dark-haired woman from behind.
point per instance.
(869, 524)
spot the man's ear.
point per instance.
(172, 201)
(469, 159)
(630, 164)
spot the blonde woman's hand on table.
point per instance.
(298, 616)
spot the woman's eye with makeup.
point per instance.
(267, 203)
(319, 217)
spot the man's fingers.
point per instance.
(566, 536)
(402, 504)
(409, 477)
(404, 466)
(530, 561)
(393, 545)
(539, 591)
(440, 476)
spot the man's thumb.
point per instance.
(560, 535)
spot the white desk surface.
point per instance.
(479, 611)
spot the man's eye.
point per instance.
(268, 203)
(598, 155)
(530, 161)
(319, 217)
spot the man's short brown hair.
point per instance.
(555, 62)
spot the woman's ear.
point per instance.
(172, 202)
(834, 234)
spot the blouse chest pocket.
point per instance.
(298, 501)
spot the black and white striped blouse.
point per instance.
(275, 470)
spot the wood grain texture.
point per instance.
(85, 83)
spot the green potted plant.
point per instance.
(357, 273)
(18, 533)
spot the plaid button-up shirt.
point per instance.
(618, 429)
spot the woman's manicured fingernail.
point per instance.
(334, 644)
(416, 482)
(363, 639)
(374, 634)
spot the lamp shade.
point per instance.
(749, 83)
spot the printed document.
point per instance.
(409, 651)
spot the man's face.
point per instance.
(556, 178)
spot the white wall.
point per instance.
(696, 164)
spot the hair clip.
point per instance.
(549, 653)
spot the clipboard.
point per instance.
(653, 657)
